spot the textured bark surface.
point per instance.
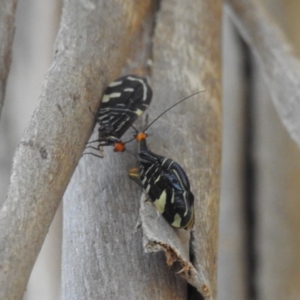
(7, 30)
(275, 157)
(103, 255)
(281, 67)
(92, 45)
(186, 59)
(277, 164)
(232, 264)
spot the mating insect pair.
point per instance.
(162, 179)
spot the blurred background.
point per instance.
(259, 241)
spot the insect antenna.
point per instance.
(136, 132)
(161, 115)
(134, 128)
(129, 152)
(171, 108)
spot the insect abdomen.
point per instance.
(168, 188)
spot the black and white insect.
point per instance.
(163, 179)
(124, 100)
(166, 184)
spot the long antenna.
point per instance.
(172, 107)
(134, 128)
(163, 114)
(136, 131)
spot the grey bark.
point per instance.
(276, 157)
(279, 63)
(277, 162)
(7, 30)
(92, 45)
(232, 265)
(187, 62)
(103, 255)
(278, 167)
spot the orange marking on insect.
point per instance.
(119, 147)
(141, 136)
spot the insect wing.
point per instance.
(123, 102)
(179, 208)
(168, 188)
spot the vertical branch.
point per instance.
(277, 205)
(232, 263)
(186, 59)
(101, 243)
(7, 29)
(249, 176)
(280, 65)
(103, 255)
(276, 192)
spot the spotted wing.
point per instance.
(123, 102)
(168, 188)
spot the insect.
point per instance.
(163, 179)
(167, 185)
(124, 100)
(165, 182)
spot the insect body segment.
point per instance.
(124, 100)
(167, 185)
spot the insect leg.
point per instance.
(92, 141)
(98, 149)
(92, 154)
(92, 147)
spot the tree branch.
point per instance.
(7, 30)
(186, 59)
(102, 209)
(92, 45)
(277, 59)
